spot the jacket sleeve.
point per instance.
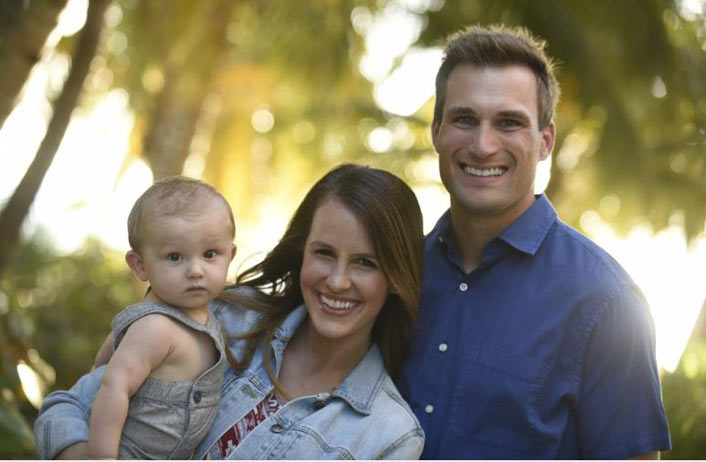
(408, 447)
(63, 417)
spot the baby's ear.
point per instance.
(137, 266)
(233, 251)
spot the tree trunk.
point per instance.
(173, 123)
(16, 209)
(188, 79)
(24, 28)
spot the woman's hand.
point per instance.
(75, 451)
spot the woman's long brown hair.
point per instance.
(389, 212)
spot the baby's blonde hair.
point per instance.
(176, 195)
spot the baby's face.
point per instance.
(186, 259)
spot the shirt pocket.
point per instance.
(495, 400)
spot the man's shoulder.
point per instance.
(578, 258)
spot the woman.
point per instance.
(314, 333)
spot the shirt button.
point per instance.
(197, 397)
(429, 409)
(276, 428)
(463, 286)
(443, 347)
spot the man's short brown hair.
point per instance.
(500, 46)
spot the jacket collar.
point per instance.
(362, 385)
(525, 234)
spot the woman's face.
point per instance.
(341, 281)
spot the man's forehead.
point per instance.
(508, 89)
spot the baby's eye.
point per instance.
(209, 254)
(174, 256)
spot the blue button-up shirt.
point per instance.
(545, 350)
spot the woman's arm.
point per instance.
(74, 452)
(408, 447)
(105, 352)
(63, 417)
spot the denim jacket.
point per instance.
(364, 418)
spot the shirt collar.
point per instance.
(525, 234)
(528, 231)
(362, 385)
(291, 323)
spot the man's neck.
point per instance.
(473, 231)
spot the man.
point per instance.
(532, 342)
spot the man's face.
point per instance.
(489, 141)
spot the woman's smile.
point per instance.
(342, 284)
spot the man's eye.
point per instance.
(464, 120)
(174, 256)
(510, 123)
(209, 254)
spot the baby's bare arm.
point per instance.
(105, 352)
(145, 346)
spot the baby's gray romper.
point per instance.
(167, 420)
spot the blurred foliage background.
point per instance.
(261, 97)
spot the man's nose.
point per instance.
(484, 141)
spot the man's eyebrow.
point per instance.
(455, 110)
(514, 114)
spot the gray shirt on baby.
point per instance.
(167, 420)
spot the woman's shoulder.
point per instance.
(392, 428)
(392, 408)
(232, 314)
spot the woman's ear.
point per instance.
(136, 264)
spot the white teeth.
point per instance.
(497, 171)
(337, 304)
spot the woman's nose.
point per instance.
(339, 279)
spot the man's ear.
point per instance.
(435, 127)
(548, 137)
(233, 251)
(136, 264)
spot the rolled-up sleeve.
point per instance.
(409, 447)
(620, 410)
(63, 417)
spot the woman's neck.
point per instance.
(313, 364)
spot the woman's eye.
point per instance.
(324, 252)
(209, 254)
(174, 256)
(366, 262)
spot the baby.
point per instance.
(160, 391)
